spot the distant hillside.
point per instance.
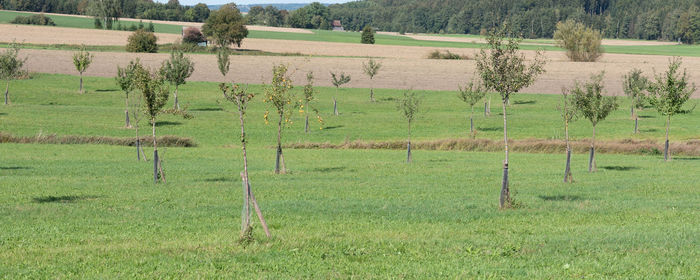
(246, 8)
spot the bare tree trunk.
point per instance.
(126, 111)
(306, 125)
(486, 109)
(471, 122)
(505, 191)
(636, 124)
(568, 178)
(245, 221)
(245, 214)
(408, 147)
(335, 106)
(279, 163)
(138, 144)
(7, 93)
(667, 153)
(591, 160)
(155, 152)
(81, 82)
(176, 106)
(371, 94)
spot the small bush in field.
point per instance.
(142, 41)
(193, 35)
(39, 19)
(437, 54)
(582, 43)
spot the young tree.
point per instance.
(338, 80)
(242, 98)
(569, 113)
(136, 116)
(471, 94)
(176, 70)
(126, 81)
(155, 94)
(371, 69)
(503, 69)
(226, 26)
(668, 93)
(82, 61)
(634, 86)
(280, 96)
(367, 35)
(10, 67)
(595, 107)
(309, 98)
(408, 106)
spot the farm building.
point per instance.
(338, 26)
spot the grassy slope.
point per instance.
(92, 211)
(354, 37)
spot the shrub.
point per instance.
(437, 54)
(39, 19)
(193, 35)
(582, 43)
(142, 41)
(367, 35)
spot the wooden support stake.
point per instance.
(256, 206)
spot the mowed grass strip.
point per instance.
(100, 112)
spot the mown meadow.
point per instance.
(92, 211)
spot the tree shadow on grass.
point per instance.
(489, 129)
(164, 123)
(62, 199)
(561, 197)
(620, 168)
(646, 117)
(106, 90)
(330, 169)
(685, 158)
(3, 114)
(524, 102)
(14, 168)
(649, 130)
(219, 179)
(333, 127)
(210, 109)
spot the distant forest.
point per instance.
(635, 19)
(144, 9)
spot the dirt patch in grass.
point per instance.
(626, 146)
(163, 141)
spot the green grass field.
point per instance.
(354, 37)
(92, 211)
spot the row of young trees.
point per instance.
(502, 68)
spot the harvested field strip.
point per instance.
(626, 146)
(163, 141)
(165, 48)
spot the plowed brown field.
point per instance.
(404, 67)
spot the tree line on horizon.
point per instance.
(670, 20)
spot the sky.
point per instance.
(248, 2)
